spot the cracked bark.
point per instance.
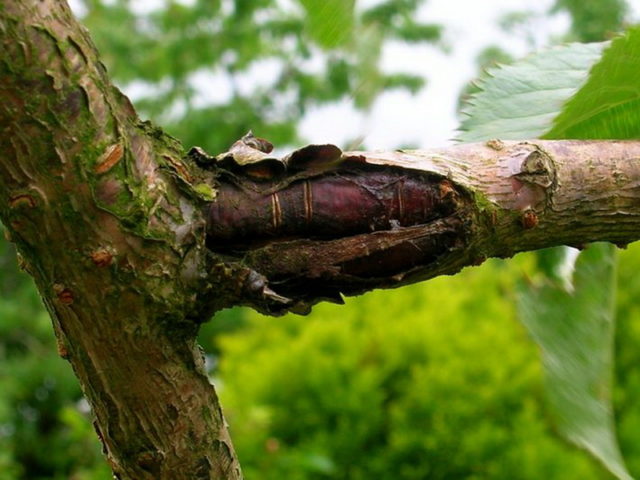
(132, 244)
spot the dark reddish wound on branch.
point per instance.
(317, 223)
(340, 203)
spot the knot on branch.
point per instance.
(532, 177)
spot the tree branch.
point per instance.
(324, 224)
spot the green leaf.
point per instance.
(608, 106)
(330, 22)
(574, 330)
(520, 100)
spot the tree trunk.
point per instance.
(113, 244)
(132, 244)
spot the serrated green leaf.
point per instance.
(520, 100)
(608, 105)
(574, 330)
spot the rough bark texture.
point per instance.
(132, 244)
(88, 196)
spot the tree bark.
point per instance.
(132, 244)
(89, 196)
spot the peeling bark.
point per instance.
(132, 244)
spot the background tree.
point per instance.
(260, 63)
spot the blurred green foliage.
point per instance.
(627, 338)
(433, 381)
(593, 20)
(437, 381)
(209, 70)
